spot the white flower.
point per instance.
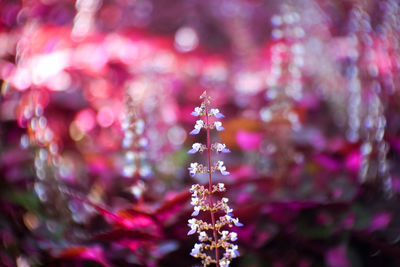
(222, 168)
(216, 113)
(138, 188)
(125, 124)
(221, 187)
(221, 148)
(233, 220)
(236, 222)
(224, 234)
(225, 199)
(194, 168)
(196, 250)
(128, 139)
(197, 111)
(203, 236)
(233, 236)
(193, 190)
(197, 127)
(233, 251)
(145, 171)
(143, 142)
(218, 126)
(228, 210)
(139, 126)
(193, 225)
(130, 156)
(195, 148)
(195, 200)
(196, 211)
(224, 262)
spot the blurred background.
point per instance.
(96, 97)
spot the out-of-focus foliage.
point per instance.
(95, 109)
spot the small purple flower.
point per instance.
(197, 111)
(233, 251)
(229, 211)
(236, 222)
(195, 201)
(221, 148)
(139, 127)
(194, 131)
(233, 236)
(196, 211)
(197, 127)
(193, 225)
(194, 167)
(222, 168)
(195, 148)
(216, 113)
(193, 189)
(196, 250)
(224, 262)
(221, 187)
(224, 234)
(218, 126)
(203, 236)
(192, 231)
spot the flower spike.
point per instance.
(214, 236)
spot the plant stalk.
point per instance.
(210, 190)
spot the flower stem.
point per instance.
(210, 190)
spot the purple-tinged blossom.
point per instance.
(236, 222)
(229, 210)
(139, 127)
(218, 126)
(224, 234)
(233, 252)
(221, 187)
(195, 148)
(193, 189)
(222, 168)
(197, 127)
(203, 236)
(193, 226)
(224, 262)
(216, 113)
(233, 236)
(194, 168)
(221, 148)
(195, 200)
(196, 250)
(196, 211)
(197, 112)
